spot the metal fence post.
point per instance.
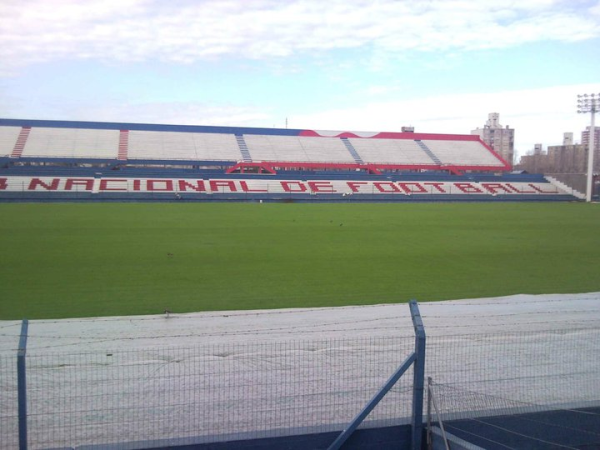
(418, 377)
(418, 359)
(337, 444)
(22, 385)
(429, 441)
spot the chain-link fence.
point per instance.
(521, 390)
(551, 368)
(219, 392)
(246, 390)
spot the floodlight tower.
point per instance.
(589, 104)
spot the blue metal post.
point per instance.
(22, 385)
(418, 358)
(418, 377)
(372, 403)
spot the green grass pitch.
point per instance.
(78, 260)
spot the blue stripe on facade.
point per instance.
(147, 127)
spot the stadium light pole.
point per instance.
(589, 104)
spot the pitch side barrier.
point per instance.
(407, 436)
(199, 189)
(504, 375)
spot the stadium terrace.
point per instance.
(59, 160)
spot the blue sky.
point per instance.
(438, 65)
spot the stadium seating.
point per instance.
(296, 148)
(183, 146)
(58, 161)
(71, 143)
(464, 153)
(235, 147)
(391, 151)
(8, 139)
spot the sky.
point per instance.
(440, 66)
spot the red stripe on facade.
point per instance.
(396, 135)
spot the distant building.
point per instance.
(568, 163)
(501, 140)
(585, 140)
(567, 158)
(585, 137)
(536, 160)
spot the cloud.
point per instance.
(537, 115)
(178, 113)
(190, 31)
(111, 110)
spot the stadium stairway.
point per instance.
(21, 141)
(244, 150)
(566, 188)
(123, 145)
(429, 152)
(352, 151)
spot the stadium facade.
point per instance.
(96, 161)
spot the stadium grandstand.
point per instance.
(65, 160)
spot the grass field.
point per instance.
(78, 260)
